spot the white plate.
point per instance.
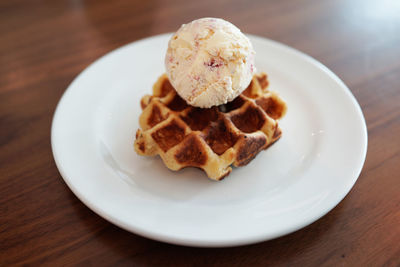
(290, 185)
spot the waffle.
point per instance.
(214, 138)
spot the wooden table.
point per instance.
(45, 44)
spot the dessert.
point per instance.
(210, 110)
(209, 62)
(212, 139)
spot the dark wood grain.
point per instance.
(45, 44)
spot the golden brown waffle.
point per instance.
(213, 138)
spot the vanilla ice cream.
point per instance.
(209, 62)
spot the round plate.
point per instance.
(290, 185)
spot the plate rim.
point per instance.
(208, 243)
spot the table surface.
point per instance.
(45, 44)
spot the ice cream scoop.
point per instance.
(209, 62)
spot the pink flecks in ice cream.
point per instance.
(215, 63)
(209, 62)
